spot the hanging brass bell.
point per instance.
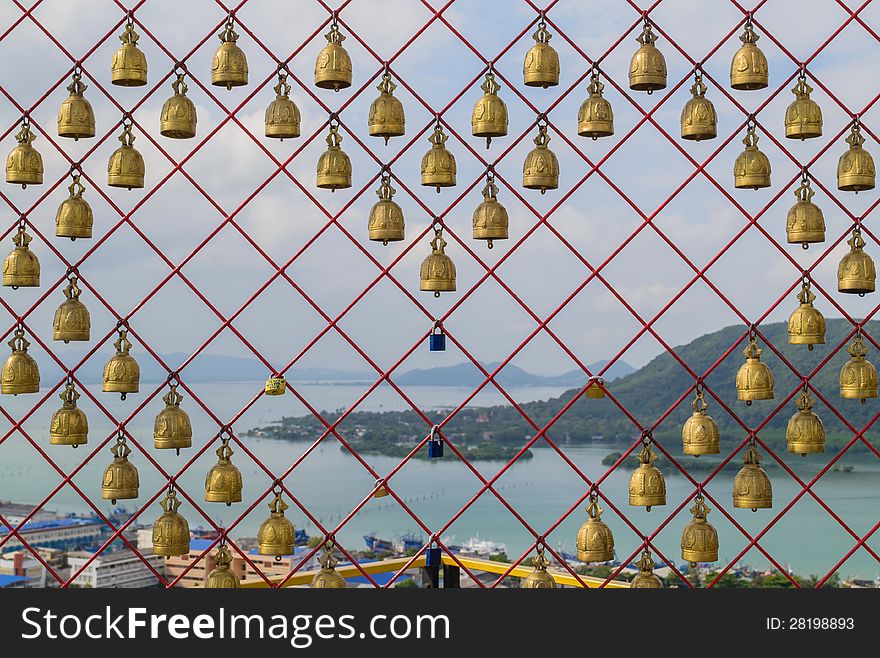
(748, 70)
(855, 169)
(803, 118)
(386, 217)
(72, 321)
(122, 373)
(21, 268)
(489, 118)
(24, 164)
(75, 117)
(806, 326)
(386, 118)
(595, 543)
(754, 380)
(438, 164)
(282, 115)
(700, 434)
(595, 117)
(541, 66)
(223, 483)
(170, 530)
(129, 66)
(328, 577)
(334, 166)
(646, 484)
(276, 534)
(752, 167)
(222, 576)
(69, 425)
(172, 427)
(490, 218)
(805, 222)
(647, 69)
(120, 481)
(858, 376)
(699, 540)
(229, 67)
(698, 118)
(126, 166)
(178, 118)
(74, 218)
(541, 168)
(646, 578)
(333, 66)
(805, 432)
(751, 486)
(20, 371)
(437, 273)
(539, 578)
(856, 273)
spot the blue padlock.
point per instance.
(437, 339)
(435, 444)
(432, 557)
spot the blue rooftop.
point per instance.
(7, 580)
(199, 544)
(61, 523)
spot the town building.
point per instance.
(118, 568)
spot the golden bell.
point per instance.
(72, 320)
(275, 386)
(752, 167)
(856, 273)
(806, 326)
(178, 118)
(751, 486)
(855, 169)
(170, 530)
(386, 217)
(647, 69)
(595, 117)
(172, 427)
(700, 434)
(437, 273)
(803, 118)
(489, 118)
(126, 165)
(20, 371)
(754, 380)
(24, 164)
(229, 67)
(386, 118)
(490, 218)
(129, 66)
(75, 117)
(120, 481)
(438, 164)
(858, 376)
(334, 166)
(698, 118)
(595, 543)
(69, 425)
(541, 66)
(221, 576)
(282, 115)
(223, 482)
(276, 534)
(646, 578)
(805, 222)
(646, 485)
(748, 70)
(122, 373)
(328, 577)
(333, 66)
(541, 168)
(74, 218)
(21, 268)
(699, 540)
(539, 578)
(805, 432)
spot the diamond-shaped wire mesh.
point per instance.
(291, 250)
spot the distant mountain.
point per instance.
(467, 374)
